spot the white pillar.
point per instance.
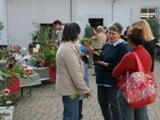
(73, 10)
(3, 19)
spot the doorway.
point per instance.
(94, 22)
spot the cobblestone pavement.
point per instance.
(45, 104)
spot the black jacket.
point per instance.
(150, 47)
(112, 55)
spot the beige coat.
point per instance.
(99, 41)
(69, 76)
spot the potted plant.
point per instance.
(46, 37)
(6, 106)
(9, 82)
(9, 86)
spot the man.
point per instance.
(58, 27)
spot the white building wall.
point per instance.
(128, 11)
(22, 14)
(3, 19)
(93, 9)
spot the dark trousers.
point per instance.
(80, 109)
(107, 98)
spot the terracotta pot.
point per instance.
(14, 86)
(52, 73)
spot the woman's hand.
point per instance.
(102, 63)
(87, 95)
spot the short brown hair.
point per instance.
(135, 35)
(57, 22)
(71, 32)
(116, 27)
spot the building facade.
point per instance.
(20, 16)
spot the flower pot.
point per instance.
(52, 73)
(14, 86)
(6, 112)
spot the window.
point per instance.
(147, 13)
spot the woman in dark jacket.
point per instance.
(111, 55)
(149, 40)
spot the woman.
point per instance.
(69, 77)
(100, 38)
(149, 39)
(109, 58)
(129, 63)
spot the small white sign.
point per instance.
(7, 112)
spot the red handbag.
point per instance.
(138, 88)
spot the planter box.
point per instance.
(7, 112)
(43, 72)
(33, 80)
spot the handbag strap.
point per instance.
(139, 63)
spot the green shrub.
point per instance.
(155, 26)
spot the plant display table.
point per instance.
(34, 79)
(43, 72)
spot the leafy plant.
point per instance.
(155, 27)
(88, 41)
(1, 26)
(3, 54)
(50, 55)
(8, 75)
(46, 37)
(75, 96)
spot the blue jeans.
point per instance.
(127, 113)
(86, 74)
(71, 108)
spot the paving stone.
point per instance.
(45, 104)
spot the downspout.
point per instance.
(71, 10)
(112, 9)
(7, 27)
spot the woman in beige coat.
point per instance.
(69, 80)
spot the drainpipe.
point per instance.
(71, 17)
(7, 27)
(112, 9)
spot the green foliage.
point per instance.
(155, 26)
(38, 56)
(46, 37)
(89, 32)
(85, 41)
(7, 76)
(50, 55)
(1, 26)
(75, 96)
(3, 54)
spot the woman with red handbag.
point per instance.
(129, 63)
